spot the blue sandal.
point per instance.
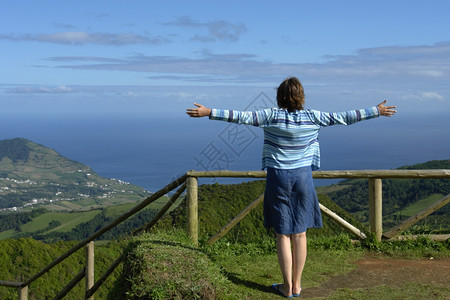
(276, 288)
(298, 295)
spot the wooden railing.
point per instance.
(375, 199)
(189, 182)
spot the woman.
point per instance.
(290, 153)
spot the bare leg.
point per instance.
(298, 258)
(284, 253)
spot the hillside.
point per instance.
(219, 204)
(402, 198)
(31, 175)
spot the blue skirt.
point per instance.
(290, 201)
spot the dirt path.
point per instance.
(373, 272)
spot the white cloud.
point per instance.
(432, 96)
(63, 89)
(83, 59)
(63, 25)
(81, 38)
(132, 94)
(182, 95)
(395, 65)
(41, 90)
(424, 97)
(217, 30)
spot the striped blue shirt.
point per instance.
(291, 139)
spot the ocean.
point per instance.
(151, 151)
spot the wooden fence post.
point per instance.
(89, 267)
(23, 293)
(192, 208)
(375, 207)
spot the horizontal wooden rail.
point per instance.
(436, 173)
(433, 237)
(11, 283)
(226, 173)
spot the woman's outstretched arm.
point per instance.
(352, 116)
(255, 118)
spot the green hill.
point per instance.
(33, 175)
(402, 198)
(218, 204)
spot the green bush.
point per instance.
(165, 265)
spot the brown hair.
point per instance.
(290, 95)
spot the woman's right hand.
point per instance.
(386, 111)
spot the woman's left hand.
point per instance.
(198, 112)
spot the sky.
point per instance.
(156, 58)
(108, 62)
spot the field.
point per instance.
(61, 221)
(419, 205)
(67, 221)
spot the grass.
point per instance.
(246, 271)
(7, 234)
(91, 203)
(419, 205)
(331, 188)
(250, 276)
(161, 267)
(68, 221)
(117, 210)
(166, 265)
(408, 291)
